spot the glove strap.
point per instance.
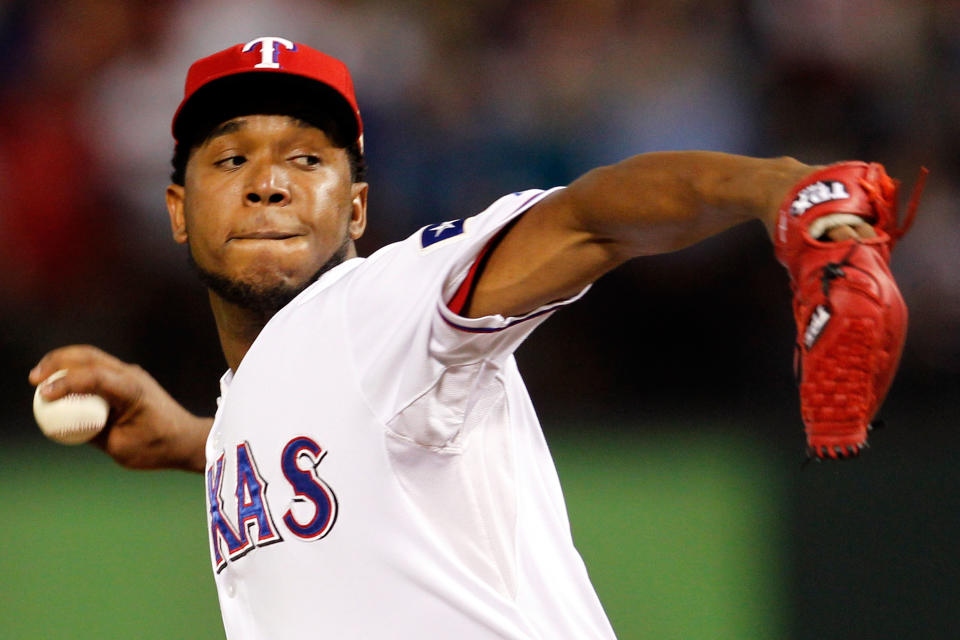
(833, 270)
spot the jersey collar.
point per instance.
(325, 281)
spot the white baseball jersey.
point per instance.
(376, 469)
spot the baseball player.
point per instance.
(375, 468)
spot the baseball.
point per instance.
(73, 419)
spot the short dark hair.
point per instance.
(265, 94)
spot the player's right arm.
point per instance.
(146, 429)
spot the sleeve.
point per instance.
(405, 335)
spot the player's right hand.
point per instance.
(146, 428)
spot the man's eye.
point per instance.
(231, 162)
(307, 160)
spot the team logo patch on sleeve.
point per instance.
(439, 232)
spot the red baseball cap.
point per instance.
(213, 83)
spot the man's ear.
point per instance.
(178, 223)
(358, 215)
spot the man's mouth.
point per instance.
(264, 235)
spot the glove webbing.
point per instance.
(830, 272)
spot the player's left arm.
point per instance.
(648, 204)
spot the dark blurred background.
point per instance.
(465, 100)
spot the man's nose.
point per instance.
(267, 187)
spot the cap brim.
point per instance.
(266, 93)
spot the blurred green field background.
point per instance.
(681, 534)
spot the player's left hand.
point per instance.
(851, 232)
(834, 233)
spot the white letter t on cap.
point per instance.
(268, 50)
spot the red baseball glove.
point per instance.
(851, 319)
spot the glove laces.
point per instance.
(881, 189)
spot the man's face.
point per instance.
(267, 203)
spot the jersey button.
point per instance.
(230, 588)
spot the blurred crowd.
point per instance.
(463, 101)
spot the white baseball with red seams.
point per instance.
(73, 419)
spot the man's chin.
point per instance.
(260, 297)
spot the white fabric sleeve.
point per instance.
(403, 334)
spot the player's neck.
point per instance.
(238, 328)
